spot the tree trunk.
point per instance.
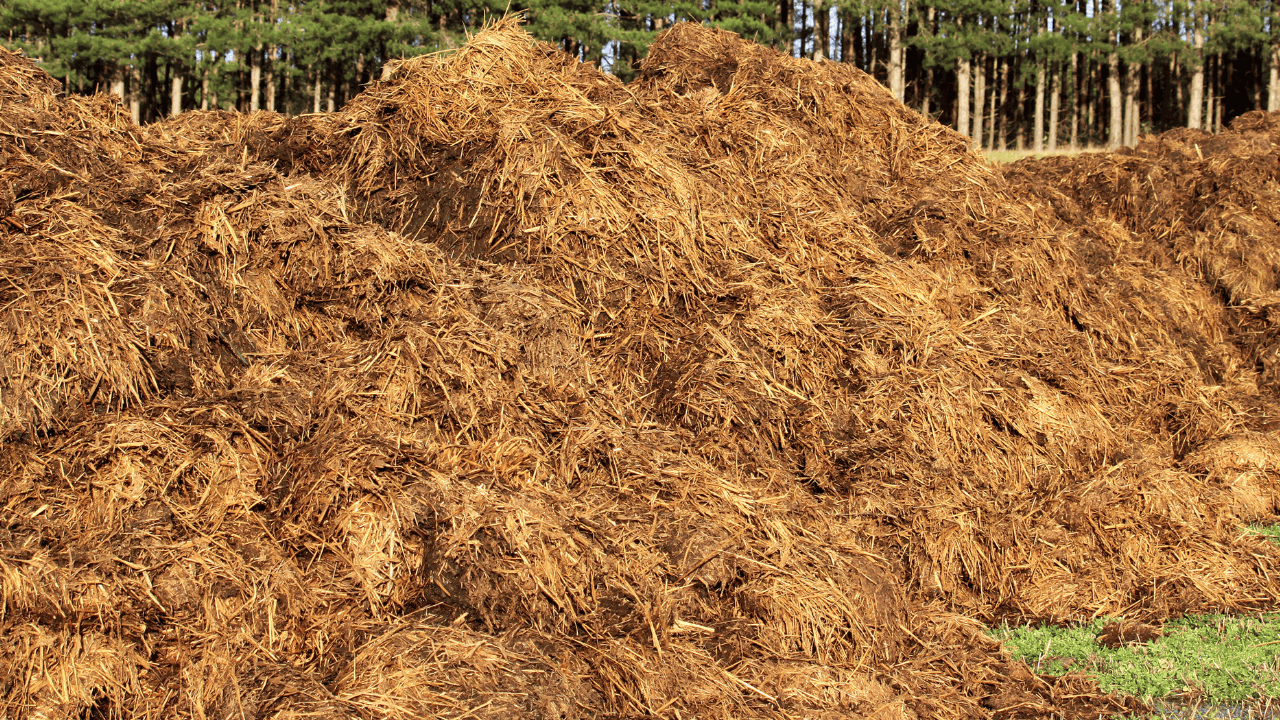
(1130, 105)
(896, 84)
(270, 85)
(287, 60)
(1209, 93)
(821, 30)
(805, 30)
(1075, 101)
(389, 17)
(1001, 109)
(1019, 119)
(1217, 96)
(255, 78)
(1115, 135)
(962, 96)
(117, 82)
(315, 94)
(332, 99)
(1195, 104)
(1037, 142)
(846, 35)
(272, 51)
(1147, 107)
(1092, 83)
(175, 92)
(1258, 64)
(1055, 104)
(873, 50)
(1273, 82)
(837, 51)
(1132, 76)
(215, 103)
(135, 94)
(979, 101)
(204, 89)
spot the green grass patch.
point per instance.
(1217, 659)
(1206, 666)
(1272, 532)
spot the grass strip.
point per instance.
(1209, 666)
(1215, 659)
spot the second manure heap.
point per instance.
(739, 391)
(1187, 199)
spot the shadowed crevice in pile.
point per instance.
(511, 390)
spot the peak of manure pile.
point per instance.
(511, 390)
(22, 81)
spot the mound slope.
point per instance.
(1209, 204)
(510, 390)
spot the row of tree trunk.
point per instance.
(262, 89)
(982, 114)
(1107, 99)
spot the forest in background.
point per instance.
(1024, 74)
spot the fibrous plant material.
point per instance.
(511, 390)
(1208, 204)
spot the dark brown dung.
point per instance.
(511, 391)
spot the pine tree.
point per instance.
(1270, 11)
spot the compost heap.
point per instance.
(514, 391)
(1207, 203)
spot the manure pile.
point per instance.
(511, 391)
(1209, 204)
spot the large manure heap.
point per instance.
(513, 391)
